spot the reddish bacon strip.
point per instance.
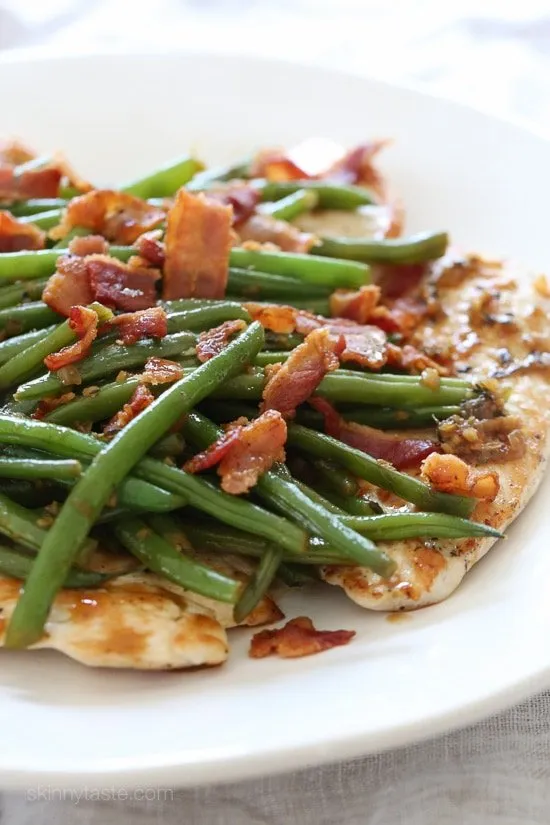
(36, 183)
(83, 322)
(450, 474)
(265, 229)
(198, 242)
(16, 235)
(297, 638)
(244, 452)
(357, 166)
(139, 401)
(115, 215)
(161, 371)
(410, 359)
(213, 341)
(401, 452)
(291, 384)
(79, 281)
(240, 195)
(146, 323)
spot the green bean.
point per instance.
(256, 285)
(110, 359)
(22, 468)
(368, 468)
(219, 538)
(17, 293)
(335, 478)
(165, 181)
(25, 317)
(294, 575)
(24, 363)
(107, 470)
(310, 269)
(292, 205)
(353, 505)
(169, 446)
(286, 496)
(22, 526)
(383, 418)
(35, 205)
(18, 565)
(331, 195)
(259, 583)
(12, 346)
(282, 341)
(218, 174)
(318, 498)
(103, 404)
(19, 266)
(401, 526)
(44, 220)
(158, 555)
(206, 317)
(318, 306)
(425, 246)
(75, 232)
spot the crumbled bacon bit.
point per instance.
(357, 305)
(198, 242)
(16, 235)
(139, 401)
(451, 474)
(399, 451)
(244, 452)
(240, 195)
(145, 323)
(279, 319)
(88, 245)
(151, 248)
(212, 341)
(36, 183)
(83, 322)
(297, 638)
(265, 229)
(364, 345)
(117, 216)
(161, 371)
(46, 405)
(410, 359)
(296, 380)
(430, 378)
(14, 153)
(357, 166)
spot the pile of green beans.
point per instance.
(130, 492)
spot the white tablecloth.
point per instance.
(496, 55)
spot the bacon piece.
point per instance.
(46, 405)
(121, 286)
(364, 345)
(450, 474)
(74, 179)
(357, 166)
(410, 359)
(401, 315)
(151, 249)
(297, 638)
(240, 195)
(213, 341)
(69, 286)
(398, 280)
(356, 305)
(275, 165)
(36, 183)
(146, 323)
(88, 245)
(117, 216)
(14, 153)
(79, 281)
(83, 321)
(265, 229)
(139, 401)
(244, 452)
(279, 319)
(16, 235)
(295, 381)
(399, 451)
(198, 242)
(161, 371)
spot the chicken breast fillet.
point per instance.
(496, 325)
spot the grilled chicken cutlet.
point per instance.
(493, 325)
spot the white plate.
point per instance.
(485, 180)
